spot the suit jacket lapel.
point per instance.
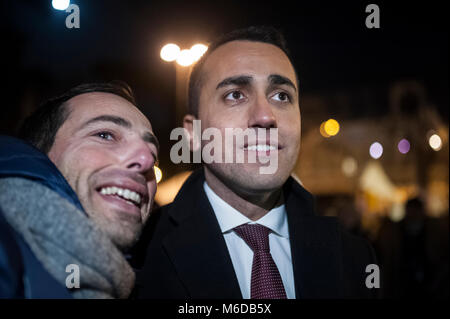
(315, 246)
(200, 256)
(197, 248)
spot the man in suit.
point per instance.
(232, 231)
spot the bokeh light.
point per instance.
(198, 50)
(376, 150)
(331, 127)
(322, 130)
(185, 58)
(404, 146)
(158, 174)
(349, 166)
(170, 52)
(435, 142)
(60, 4)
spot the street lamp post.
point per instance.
(184, 59)
(181, 91)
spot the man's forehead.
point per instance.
(239, 57)
(99, 98)
(93, 104)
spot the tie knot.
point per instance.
(256, 236)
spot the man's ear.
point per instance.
(194, 140)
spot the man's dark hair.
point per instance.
(265, 34)
(40, 128)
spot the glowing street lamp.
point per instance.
(186, 57)
(60, 4)
(184, 60)
(198, 50)
(170, 52)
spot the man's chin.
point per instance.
(125, 240)
(123, 233)
(261, 186)
(259, 183)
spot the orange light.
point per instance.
(322, 130)
(331, 127)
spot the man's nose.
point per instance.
(139, 157)
(261, 114)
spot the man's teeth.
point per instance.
(261, 148)
(125, 193)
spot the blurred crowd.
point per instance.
(413, 253)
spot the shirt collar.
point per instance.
(229, 218)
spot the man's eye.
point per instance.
(105, 135)
(282, 97)
(235, 95)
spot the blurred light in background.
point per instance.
(322, 130)
(349, 166)
(435, 142)
(403, 146)
(170, 52)
(168, 189)
(376, 150)
(198, 50)
(60, 4)
(329, 128)
(158, 174)
(185, 58)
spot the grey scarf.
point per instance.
(59, 234)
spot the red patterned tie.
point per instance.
(266, 281)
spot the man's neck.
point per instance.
(253, 206)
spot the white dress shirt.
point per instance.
(242, 255)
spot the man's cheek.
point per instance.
(152, 187)
(92, 157)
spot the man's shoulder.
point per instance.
(23, 275)
(159, 214)
(359, 262)
(21, 160)
(11, 263)
(356, 243)
(160, 221)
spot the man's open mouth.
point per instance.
(125, 194)
(260, 148)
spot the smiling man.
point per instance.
(106, 150)
(232, 231)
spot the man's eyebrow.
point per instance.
(235, 80)
(108, 118)
(281, 80)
